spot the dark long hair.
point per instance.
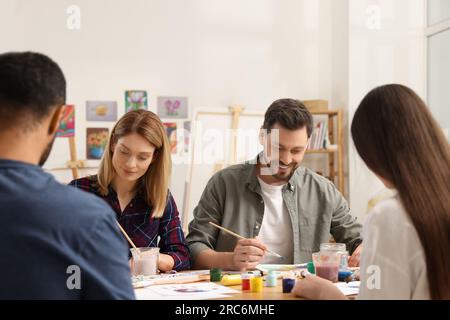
(399, 140)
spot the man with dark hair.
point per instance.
(273, 202)
(56, 242)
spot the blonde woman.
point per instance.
(134, 178)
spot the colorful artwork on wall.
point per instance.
(135, 100)
(172, 107)
(67, 125)
(96, 139)
(171, 130)
(101, 110)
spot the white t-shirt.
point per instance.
(276, 229)
(392, 250)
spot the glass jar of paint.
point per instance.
(246, 277)
(271, 279)
(340, 249)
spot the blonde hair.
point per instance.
(155, 182)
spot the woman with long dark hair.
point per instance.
(407, 237)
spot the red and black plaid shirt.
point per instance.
(142, 228)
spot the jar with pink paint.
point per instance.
(326, 265)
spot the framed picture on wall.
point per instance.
(135, 100)
(171, 130)
(96, 139)
(187, 135)
(101, 110)
(172, 107)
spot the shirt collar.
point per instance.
(113, 193)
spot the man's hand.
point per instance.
(248, 253)
(353, 261)
(315, 288)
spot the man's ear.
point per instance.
(56, 119)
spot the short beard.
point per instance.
(46, 152)
(272, 164)
(281, 178)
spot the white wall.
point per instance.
(333, 68)
(438, 52)
(385, 50)
(215, 52)
(219, 53)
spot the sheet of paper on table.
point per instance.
(191, 291)
(348, 289)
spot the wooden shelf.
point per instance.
(321, 151)
(325, 112)
(336, 137)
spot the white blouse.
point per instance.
(392, 260)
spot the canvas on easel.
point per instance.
(219, 139)
(67, 130)
(67, 123)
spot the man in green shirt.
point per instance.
(273, 202)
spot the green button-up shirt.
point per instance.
(232, 199)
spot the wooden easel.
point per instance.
(74, 164)
(235, 111)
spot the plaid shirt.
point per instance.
(142, 228)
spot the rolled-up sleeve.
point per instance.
(201, 234)
(344, 227)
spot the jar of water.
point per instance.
(339, 248)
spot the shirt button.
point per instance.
(257, 227)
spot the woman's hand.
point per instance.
(165, 262)
(316, 288)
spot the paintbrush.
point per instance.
(241, 237)
(129, 239)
